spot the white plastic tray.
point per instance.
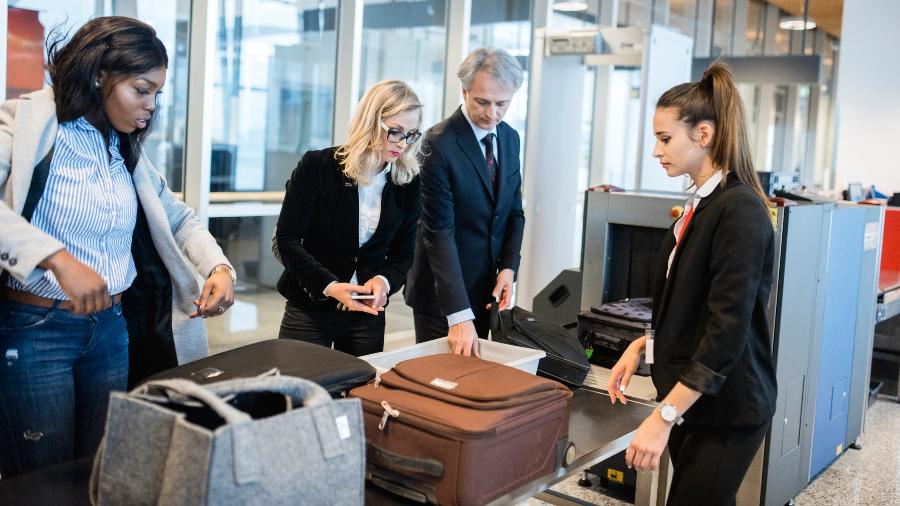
(524, 359)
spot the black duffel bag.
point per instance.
(565, 361)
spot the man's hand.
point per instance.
(376, 287)
(85, 288)
(216, 297)
(463, 339)
(343, 293)
(503, 288)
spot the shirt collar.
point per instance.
(479, 132)
(379, 178)
(82, 124)
(709, 185)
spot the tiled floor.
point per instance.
(866, 477)
(256, 316)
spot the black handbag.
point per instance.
(338, 372)
(565, 362)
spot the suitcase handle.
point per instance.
(401, 463)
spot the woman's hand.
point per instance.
(649, 443)
(216, 297)
(342, 292)
(85, 288)
(623, 370)
(379, 289)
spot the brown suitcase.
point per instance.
(451, 430)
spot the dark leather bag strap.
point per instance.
(38, 184)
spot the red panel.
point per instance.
(25, 52)
(890, 250)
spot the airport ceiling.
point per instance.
(826, 13)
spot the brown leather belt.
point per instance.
(37, 300)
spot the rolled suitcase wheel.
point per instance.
(570, 454)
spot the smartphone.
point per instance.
(362, 296)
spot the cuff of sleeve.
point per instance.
(460, 316)
(36, 274)
(387, 283)
(24, 266)
(326, 288)
(697, 376)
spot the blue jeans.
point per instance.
(57, 370)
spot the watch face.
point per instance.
(668, 413)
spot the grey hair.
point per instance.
(501, 65)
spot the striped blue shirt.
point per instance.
(89, 205)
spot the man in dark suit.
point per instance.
(470, 232)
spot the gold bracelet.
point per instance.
(224, 268)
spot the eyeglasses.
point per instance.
(395, 135)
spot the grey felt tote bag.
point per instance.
(267, 440)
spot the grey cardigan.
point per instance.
(27, 132)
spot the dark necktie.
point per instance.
(488, 141)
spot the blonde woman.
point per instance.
(347, 226)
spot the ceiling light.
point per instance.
(570, 6)
(796, 23)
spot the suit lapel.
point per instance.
(34, 135)
(349, 212)
(667, 288)
(468, 144)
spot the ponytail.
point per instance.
(715, 98)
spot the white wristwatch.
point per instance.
(669, 413)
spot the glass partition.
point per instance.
(273, 91)
(30, 22)
(407, 41)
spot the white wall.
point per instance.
(868, 96)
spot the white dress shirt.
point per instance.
(370, 212)
(370, 215)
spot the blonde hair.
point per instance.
(361, 155)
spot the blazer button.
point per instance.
(13, 262)
(4, 256)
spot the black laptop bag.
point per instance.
(608, 329)
(565, 361)
(336, 371)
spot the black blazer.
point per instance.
(712, 333)
(317, 237)
(467, 233)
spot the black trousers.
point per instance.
(709, 464)
(431, 327)
(352, 332)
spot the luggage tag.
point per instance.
(648, 348)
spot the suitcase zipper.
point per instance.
(428, 424)
(388, 412)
